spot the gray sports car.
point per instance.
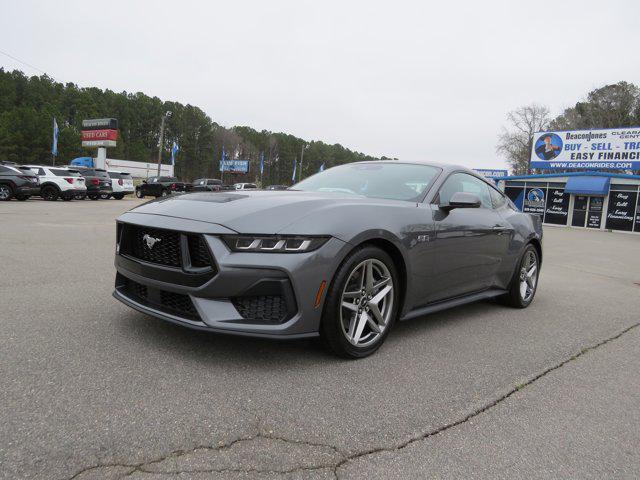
(343, 254)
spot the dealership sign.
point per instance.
(234, 166)
(613, 148)
(99, 132)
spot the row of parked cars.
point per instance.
(73, 182)
(65, 182)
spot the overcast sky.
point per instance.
(412, 79)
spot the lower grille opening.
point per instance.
(162, 300)
(262, 308)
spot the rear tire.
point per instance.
(93, 197)
(118, 196)
(49, 193)
(354, 324)
(524, 283)
(105, 196)
(164, 193)
(139, 193)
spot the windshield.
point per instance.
(394, 181)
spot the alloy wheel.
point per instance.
(528, 275)
(5, 192)
(367, 303)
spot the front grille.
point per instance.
(166, 247)
(262, 308)
(153, 245)
(168, 302)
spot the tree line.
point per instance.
(611, 106)
(29, 104)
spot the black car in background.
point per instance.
(159, 187)
(97, 181)
(205, 185)
(17, 181)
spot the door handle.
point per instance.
(500, 229)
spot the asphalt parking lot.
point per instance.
(93, 389)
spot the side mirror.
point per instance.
(462, 200)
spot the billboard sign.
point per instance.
(100, 124)
(612, 148)
(234, 166)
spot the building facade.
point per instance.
(596, 200)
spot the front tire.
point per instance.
(94, 197)
(105, 196)
(361, 304)
(118, 196)
(524, 283)
(139, 193)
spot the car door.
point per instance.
(469, 242)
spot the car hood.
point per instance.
(265, 212)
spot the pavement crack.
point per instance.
(340, 458)
(486, 407)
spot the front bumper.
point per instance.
(233, 298)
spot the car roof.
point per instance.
(443, 166)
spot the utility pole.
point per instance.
(164, 117)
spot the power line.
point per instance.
(27, 64)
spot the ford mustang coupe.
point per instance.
(344, 254)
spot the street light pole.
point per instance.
(164, 117)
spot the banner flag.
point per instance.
(174, 150)
(54, 144)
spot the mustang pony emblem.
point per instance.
(150, 241)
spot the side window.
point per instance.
(497, 198)
(462, 182)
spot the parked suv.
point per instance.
(17, 181)
(97, 181)
(121, 183)
(59, 182)
(205, 185)
(159, 187)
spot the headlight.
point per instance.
(274, 244)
